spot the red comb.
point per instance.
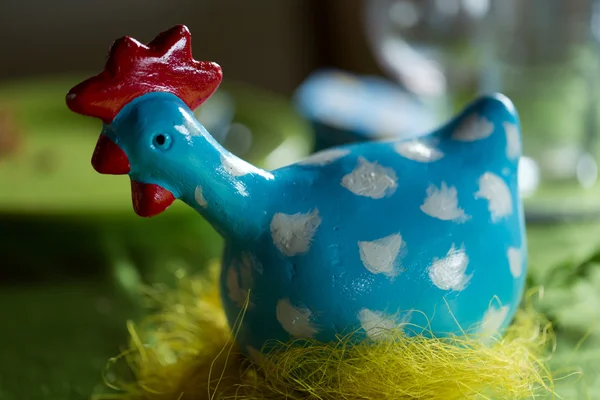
(134, 69)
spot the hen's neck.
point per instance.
(228, 192)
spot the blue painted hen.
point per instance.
(367, 237)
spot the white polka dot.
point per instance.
(513, 141)
(442, 203)
(375, 323)
(515, 261)
(190, 126)
(449, 273)
(371, 180)
(325, 157)
(182, 129)
(418, 151)
(379, 256)
(237, 167)
(241, 188)
(238, 293)
(199, 197)
(493, 189)
(473, 128)
(189, 119)
(292, 234)
(296, 321)
(493, 320)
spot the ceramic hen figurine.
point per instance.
(360, 238)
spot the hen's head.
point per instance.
(145, 97)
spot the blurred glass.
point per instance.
(433, 48)
(543, 54)
(547, 62)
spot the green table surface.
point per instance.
(57, 338)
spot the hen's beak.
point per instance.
(109, 158)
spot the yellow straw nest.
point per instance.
(186, 351)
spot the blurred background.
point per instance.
(299, 76)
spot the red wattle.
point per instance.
(109, 158)
(150, 199)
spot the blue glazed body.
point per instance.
(362, 237)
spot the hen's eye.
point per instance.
(162, 141)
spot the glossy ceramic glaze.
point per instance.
(363, 237)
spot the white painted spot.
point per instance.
(236, 292)
(442, 203)
(199, 197)
(515, 261)
(325, 157)
(418, 151)
(293, 233)
(241, 188)
(449, 273)
(237, 167)
(190, 123)
(71, 96)
(379, 256)
(513, 141)
(375, 323)
(493, 320)
(406, 318)
(473, 128)
(296, 321)
(369, 179)
(182, 129)
(496, 192)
